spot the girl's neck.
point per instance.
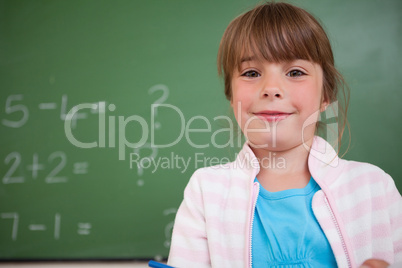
(282, 170)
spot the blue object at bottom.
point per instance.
(155, 264)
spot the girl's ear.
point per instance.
(324, 105)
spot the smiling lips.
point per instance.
(272, 116)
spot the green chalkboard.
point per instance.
(81, 82)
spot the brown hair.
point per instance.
(278, 32)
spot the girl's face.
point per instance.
(277, 104)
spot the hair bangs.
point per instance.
(276, 34)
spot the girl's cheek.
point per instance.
(308, 97)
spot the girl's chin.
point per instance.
(279, 143)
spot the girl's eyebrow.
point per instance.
(252, 58)
(311, 64)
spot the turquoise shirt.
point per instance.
(286, 232)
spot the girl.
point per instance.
(311, 208)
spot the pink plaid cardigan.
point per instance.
(358, 207)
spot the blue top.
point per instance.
(285, 231)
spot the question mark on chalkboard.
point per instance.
(145, 161)
(169, 226)
(165, 95)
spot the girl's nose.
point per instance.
(275, 94)
(272, 82)
(272, 91)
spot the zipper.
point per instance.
(252, 222)
(338, 229)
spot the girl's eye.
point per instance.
(251, 74)
(295, 73)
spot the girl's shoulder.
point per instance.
(218, 173)
(356, 169)
(327, 167)
(362, 179)
(221, 178)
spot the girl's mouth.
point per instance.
(272, 116)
